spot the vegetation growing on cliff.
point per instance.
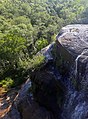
(26, 26)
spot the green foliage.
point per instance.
(31, 64)
(41, 43)
(34, 20)
(26, 26)
(36, 62)
(7, 83)
(11, 50)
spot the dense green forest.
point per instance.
(26, 26)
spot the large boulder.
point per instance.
(72, 44)
(74, 38)
(72, 49)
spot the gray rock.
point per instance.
(24, 106)
(47, 52)
(72, 46)
(72, 43)
(74, 38)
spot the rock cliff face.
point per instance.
(72, 43)
(72, 46)
(60, 86)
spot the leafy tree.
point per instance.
(26, 26)
(11, 50)
(41, 43)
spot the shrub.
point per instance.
(41, 43)
(37, 61)
(11, 50)
(7, 83)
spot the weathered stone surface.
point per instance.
(24, 106)
(74, 38)
(49, 86)
(48, 90)
(76, 106)
(72, 46)
(72, 43)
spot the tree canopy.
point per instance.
(26, 26)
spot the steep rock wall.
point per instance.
(72, 45)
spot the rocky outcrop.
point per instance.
(74, 38)
(58, 89)
(72, 48)
(43, 96)
(25, 107)
(48, 91)
(72, 44)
